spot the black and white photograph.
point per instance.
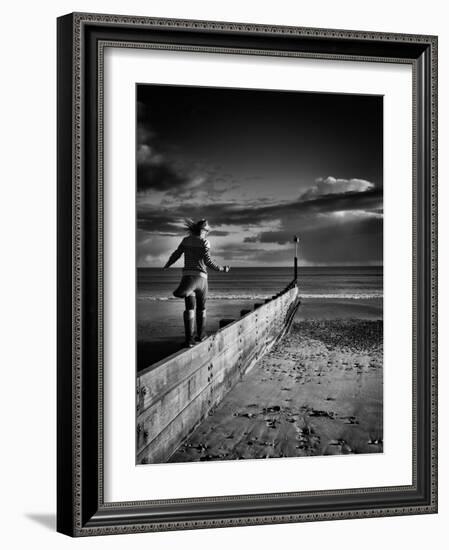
(259, 279)
(221, 275)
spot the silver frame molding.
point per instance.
(81, 41)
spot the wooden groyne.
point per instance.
(176, 394)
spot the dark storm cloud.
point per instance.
(252, 133)
(162, 223)
(154, 170)
(249, 215)
(334, 228)
(355, 241)
(261, 166)
(166, 224)
(359, 239)
(160, 177)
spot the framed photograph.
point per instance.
(247, 292)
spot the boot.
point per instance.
(189, 327)
(201, 325)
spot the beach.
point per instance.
(317, 392)
(161, 330)
(326, 294)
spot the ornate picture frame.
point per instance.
(82, 509)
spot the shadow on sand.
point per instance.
(149, 353)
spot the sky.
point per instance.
(261, 166)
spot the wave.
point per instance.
(325, 296)
(346, 296)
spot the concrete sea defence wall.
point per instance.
(176, 394)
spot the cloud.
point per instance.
(334, 186)
(159, 177)
(155, 172)
(341, 226)
(160, 222)
(298, 211)
(217, 233)
(158, 172)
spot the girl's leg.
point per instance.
(201, 296)
(189, 320)
(185, 290)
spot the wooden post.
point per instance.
(296, 241)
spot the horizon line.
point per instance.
(276, 266)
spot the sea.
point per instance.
(326, 293)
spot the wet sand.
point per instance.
(160, 330)
(317, 392)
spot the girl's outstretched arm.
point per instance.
(175, 255)
(213, 265)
